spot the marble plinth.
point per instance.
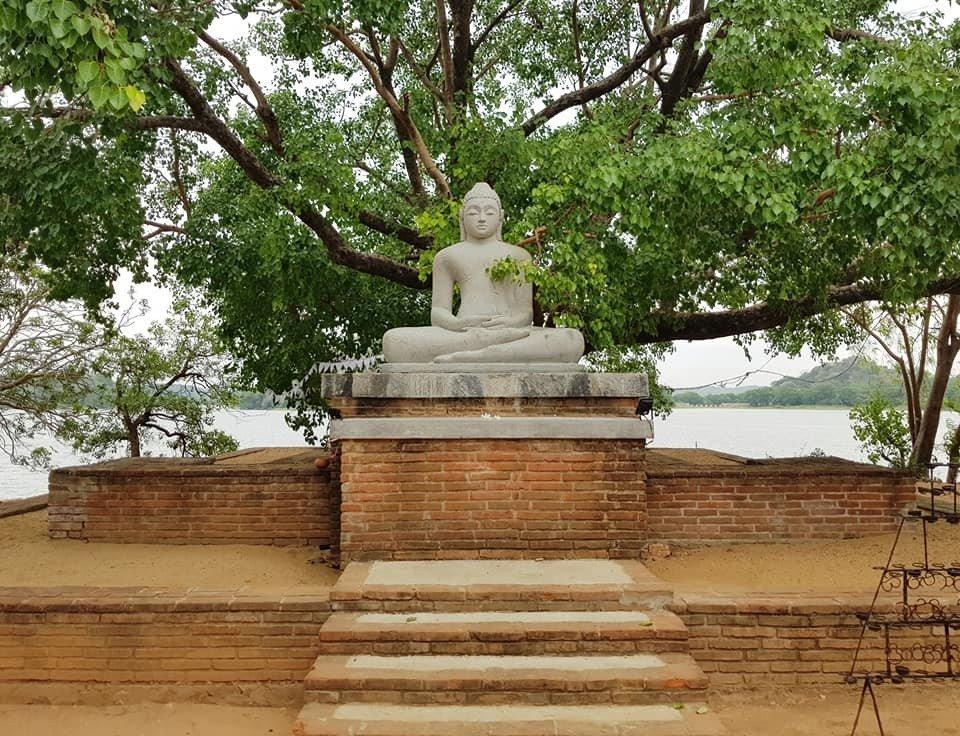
(481, 385)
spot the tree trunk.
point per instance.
(133, 439)
(132, 429)
(947, 347)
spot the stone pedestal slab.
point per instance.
(498, 465)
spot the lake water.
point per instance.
(751, 432)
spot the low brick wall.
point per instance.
(121, 636)
(786, 639)
(703, 497)
(271, 497)
(425, 499)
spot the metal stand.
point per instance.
(915, 610)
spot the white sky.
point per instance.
(693, 364)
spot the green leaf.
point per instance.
(101, 39)
(118, 98)
(135, 97)
(80, 24)
(58, 28)
(37, 10)
(87, 71)
(99, 96)
(115, 72)
(63, 9)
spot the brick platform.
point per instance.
(511, 466)
(61, 644)
(421, 499)
(274, 496)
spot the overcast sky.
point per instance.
(693, 364)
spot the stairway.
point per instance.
(511, 648)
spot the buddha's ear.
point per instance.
(463, 231)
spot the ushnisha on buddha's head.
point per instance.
(481, 217)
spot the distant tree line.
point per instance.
(849, 382)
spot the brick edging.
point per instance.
(156, 600)
(19, 506)
(96, 636)
(795, 639)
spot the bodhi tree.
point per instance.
(679, 170)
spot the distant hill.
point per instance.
(843, 383)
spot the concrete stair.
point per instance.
(498, 585)
(390, 720)
(506, 648)
(505, 632)
(504, 679)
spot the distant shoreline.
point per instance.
(763, 408)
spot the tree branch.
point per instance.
(337, 249)
(462, 12)
(420, 71)
(663, 39)
(678, 84)
(578, 53)
(842, 35)
(491, 26)
(765, 316)
(388, 97)
(400, 232)
(446, 57)
(263, 109)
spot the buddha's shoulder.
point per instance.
(462, 250)
(450, 251)
(516, 252)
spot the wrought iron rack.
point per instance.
(927, 603)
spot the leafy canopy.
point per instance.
(680, 171)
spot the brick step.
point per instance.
(498, 585)
(504, 632)
(484, 679)
(377, 719)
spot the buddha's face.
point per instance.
(481, 218)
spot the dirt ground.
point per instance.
(28, 557)
(906, 710)
(824, 711)
(171, 719)
(828, 567)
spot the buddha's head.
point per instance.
(481, 216)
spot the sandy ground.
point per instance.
(826, 711)
(908, 710)
(827, 567)
(28, 557)
(172, 719)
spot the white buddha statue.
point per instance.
(494, 322)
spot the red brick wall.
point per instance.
(192, 502)
(58, 634)
(778, 501)
(423, 499)
(782, 639)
